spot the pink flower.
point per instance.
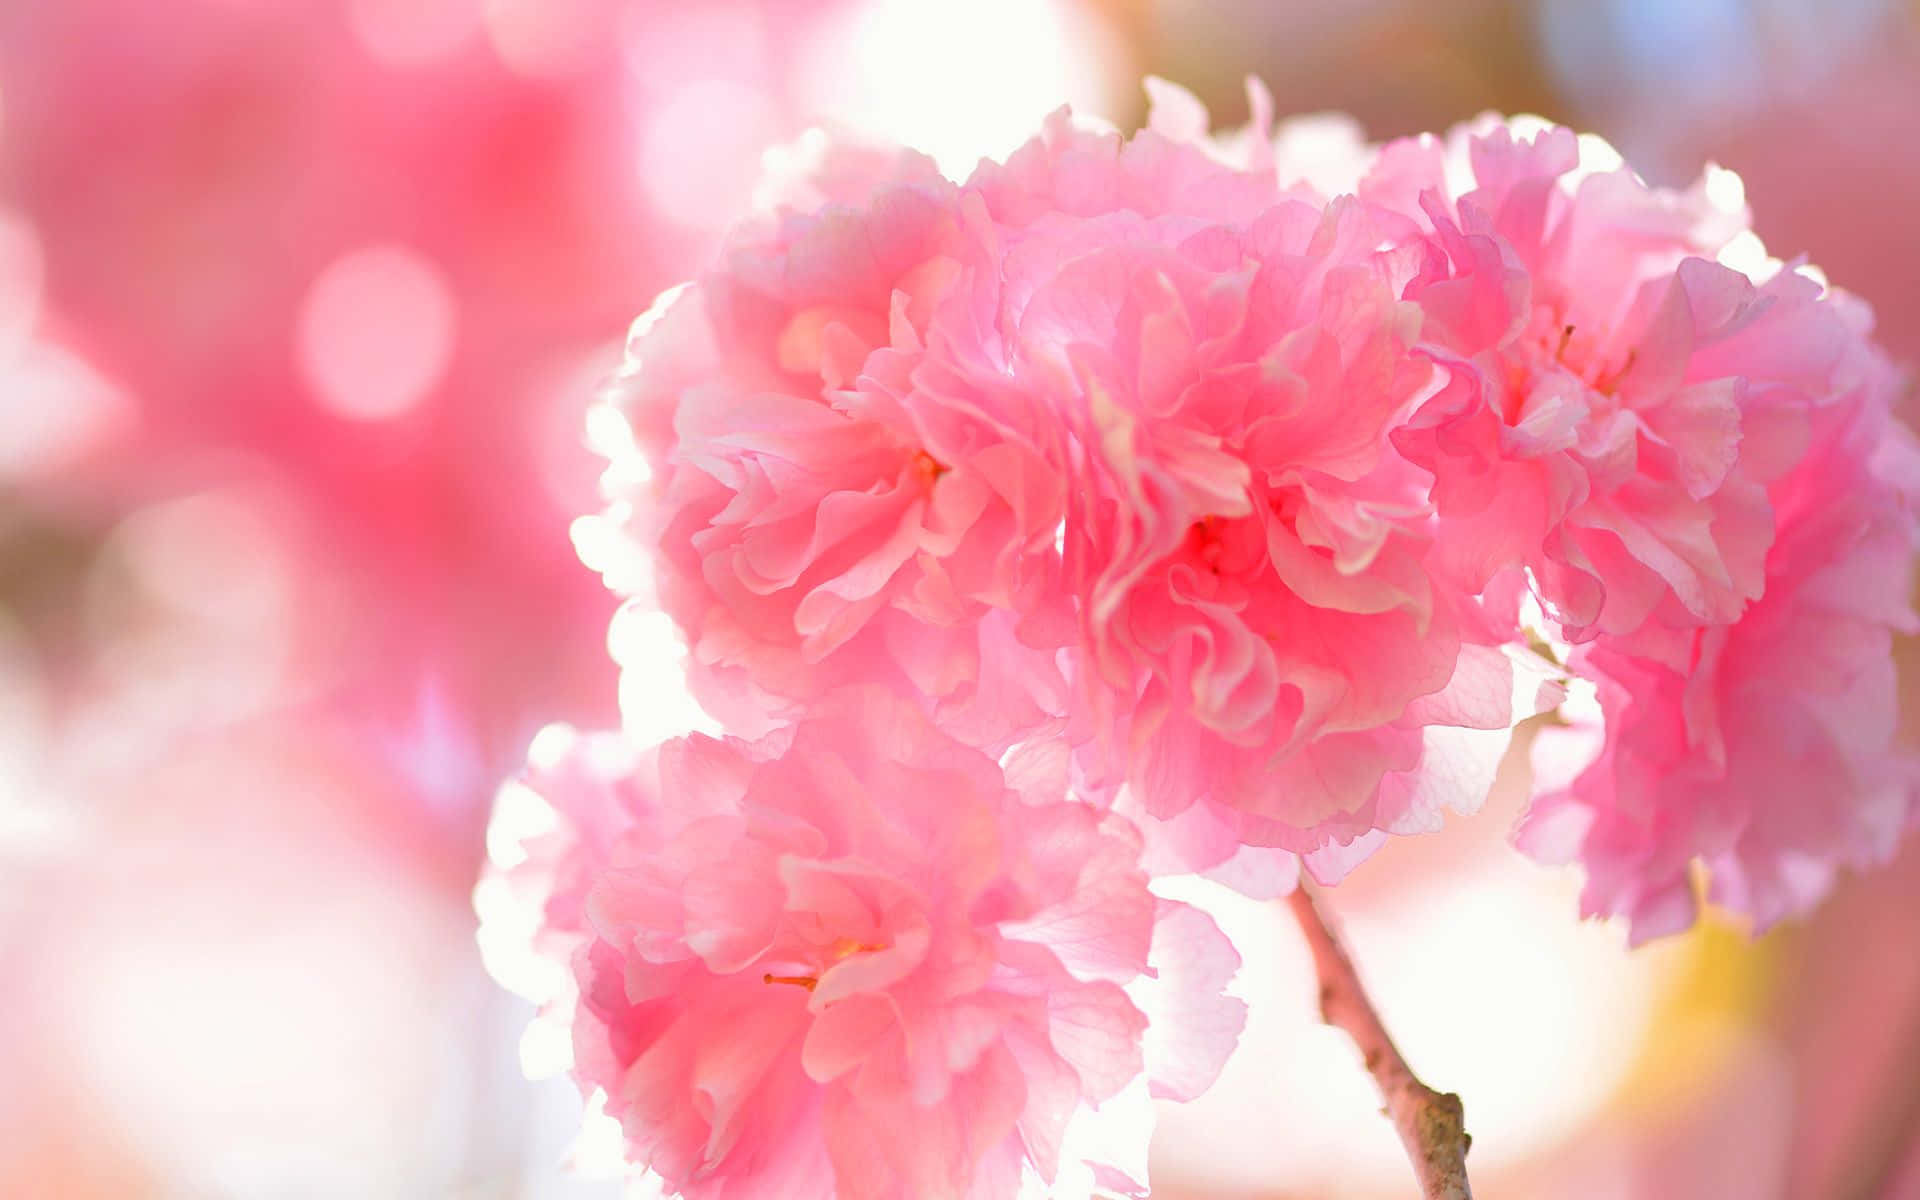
(837, 486)
(553, 831)
(859, 959)
(917, 435)
(1236, 460)
(1261, 635)
(1674, 454)
(1618, 401)
(1761, 749)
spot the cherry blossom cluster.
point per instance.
(1190, 503)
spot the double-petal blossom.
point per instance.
(1619, 400)
(1763, 750)
(1279, 474)
(859, 959)
(833, 490)
(1265, 657)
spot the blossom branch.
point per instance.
(1432, 1125)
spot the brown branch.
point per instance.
(1432, 1126)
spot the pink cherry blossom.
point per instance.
(553, 831)
(1678, 457)
(1761, 749)
(918, 434)
(838, 489)
(1261, 635)
(1620, 400)
(1184, 503)
(1235, 460)
(857, 958)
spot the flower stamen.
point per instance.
(846, 948)
(930, 468)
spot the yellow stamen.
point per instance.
(846, 948)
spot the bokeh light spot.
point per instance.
(59, 408)
(896, 68)
(376, 332)
(546, 39)
(410, 32)
(700, 152)
(669, 48)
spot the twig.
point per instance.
(1432, 1126)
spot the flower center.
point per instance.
(1559, 345)
(1205, 539)
(930, 468)
(841, 950)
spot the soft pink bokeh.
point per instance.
(273, 613)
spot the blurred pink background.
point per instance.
(301, 308)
